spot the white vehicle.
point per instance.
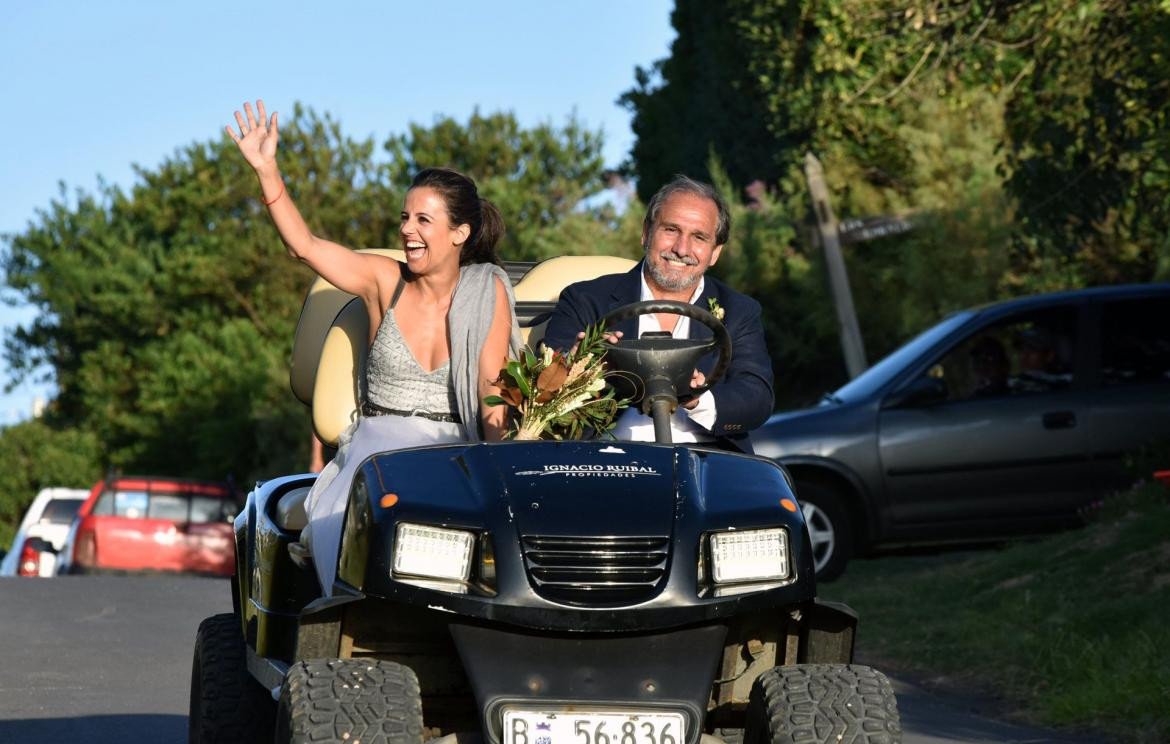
(48, 519)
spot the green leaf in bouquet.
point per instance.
(529, 359)
(494, 400)
(516, 372)
(591, 342)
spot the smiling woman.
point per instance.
(440, 323)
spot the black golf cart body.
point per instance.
(590, 585)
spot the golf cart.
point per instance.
(573, 592)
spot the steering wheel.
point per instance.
(665, 365)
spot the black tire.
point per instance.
(830, 528)
(227, 704)
(838, 703)
(347, 700)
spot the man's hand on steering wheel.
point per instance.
(698, 379)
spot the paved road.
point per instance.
(100, 659)
(105, 660)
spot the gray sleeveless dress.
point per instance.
(394, 380)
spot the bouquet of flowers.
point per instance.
(559, 396)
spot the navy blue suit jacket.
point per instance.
(743, 398)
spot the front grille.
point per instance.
(596, 570)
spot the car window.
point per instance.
(130, 504)
(105, 505)
(207, 509)
(170, 506)
(1022, 355)
(175, 506)
(1135, 342)
(60, 511)
(896, 361)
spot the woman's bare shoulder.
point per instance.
(385, 272)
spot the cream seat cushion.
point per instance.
(546, 280)
(337, 349)
(337, 384)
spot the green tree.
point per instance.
(538, 177)
(1083, 87)
(798, 75)
(36, 456)
(698, 99)
(1089, 159)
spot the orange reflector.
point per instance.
(389, 500)
(788, 504)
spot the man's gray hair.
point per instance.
(681, 184)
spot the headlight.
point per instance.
(435, 552)
(749, 555)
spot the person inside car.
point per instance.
(684, 231)
(1041, 368)
(439, 323)
(990, 368)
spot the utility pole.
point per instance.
(828, 232)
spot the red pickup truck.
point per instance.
(148, 524)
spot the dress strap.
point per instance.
(398, 290)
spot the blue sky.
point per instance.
(91, 88)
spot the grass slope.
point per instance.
(1073, 629)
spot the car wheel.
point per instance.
(822, 703)
(829, 530)
(348, 700)
(227, 704)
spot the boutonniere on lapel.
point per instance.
(715, 308)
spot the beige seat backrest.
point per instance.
(336, 389)
(333, 388)
(322, 303)
(544, 283)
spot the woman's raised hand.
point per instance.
(256, 139)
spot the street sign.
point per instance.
(871, 228)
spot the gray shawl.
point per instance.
(468, 323)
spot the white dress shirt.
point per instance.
(686, 425)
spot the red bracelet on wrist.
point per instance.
(270, 203)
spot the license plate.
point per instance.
(593, 727)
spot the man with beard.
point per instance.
(686, 226)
